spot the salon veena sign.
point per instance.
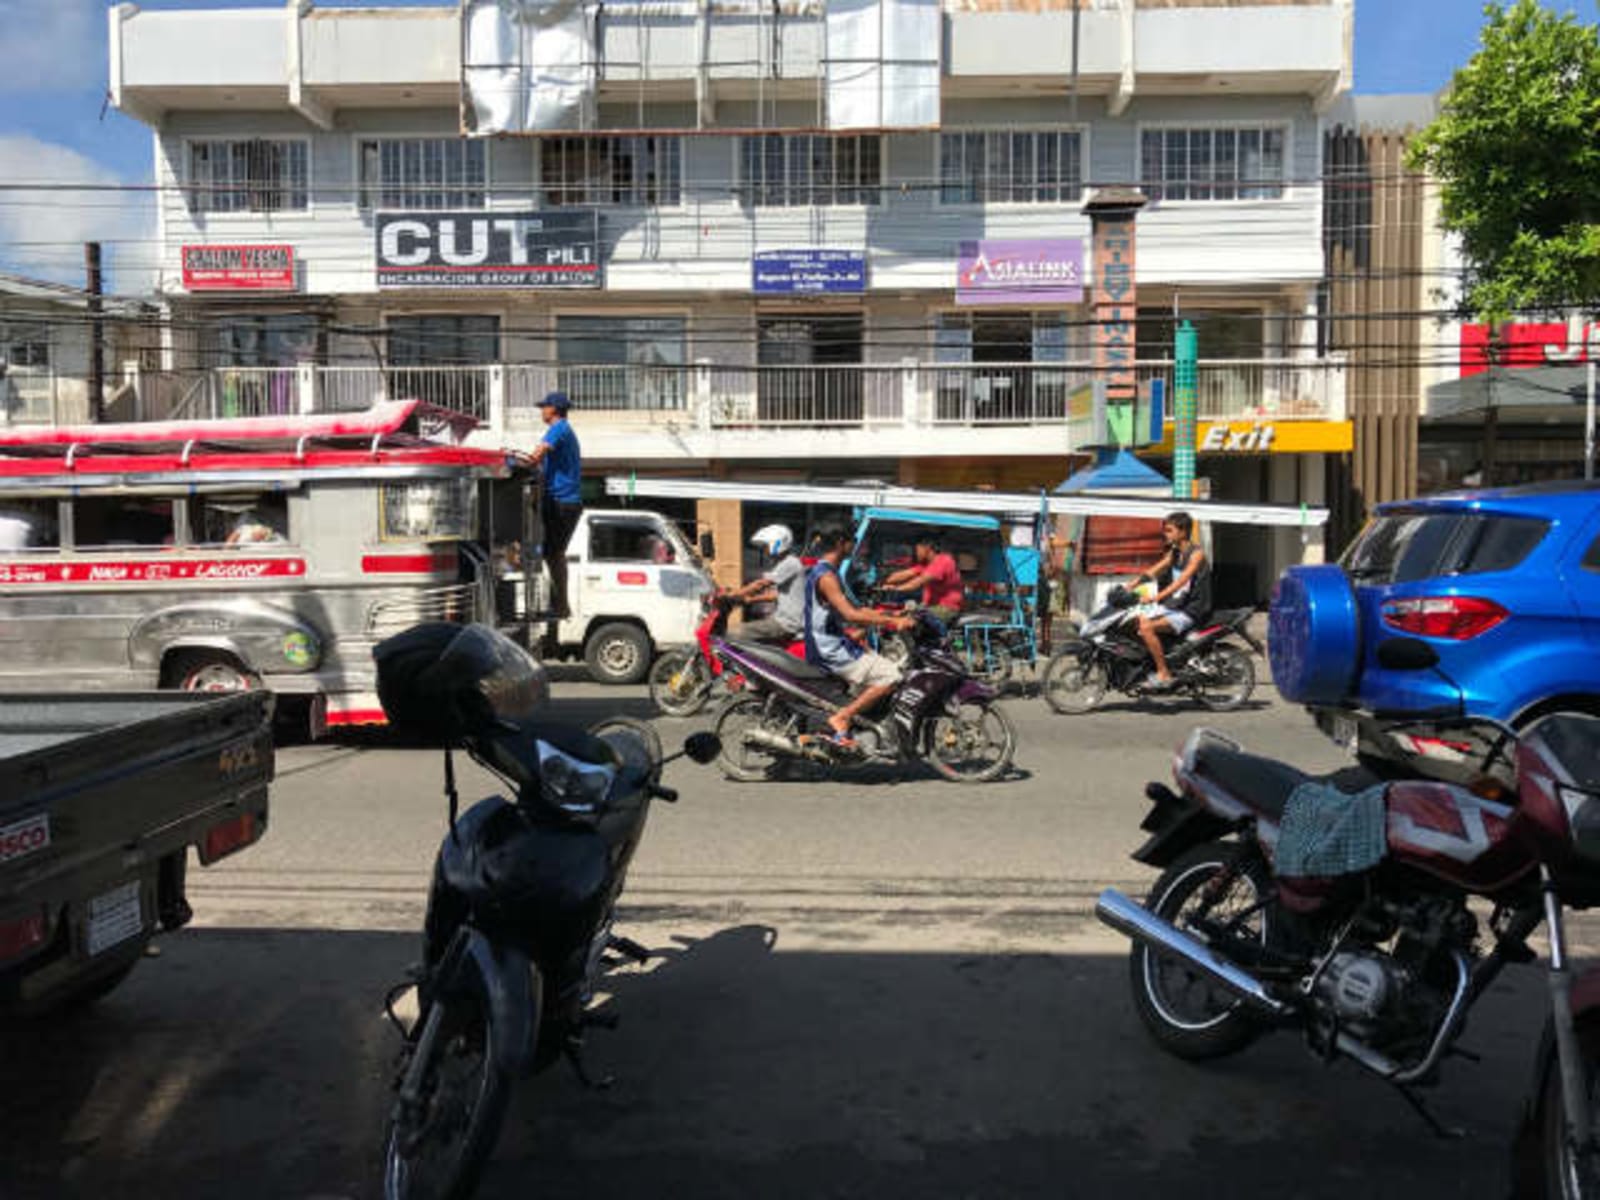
(493, 250)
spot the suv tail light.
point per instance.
(1457, 618)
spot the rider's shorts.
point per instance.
(1180, 621)
(870, 670)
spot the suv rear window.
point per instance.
(1401, 547)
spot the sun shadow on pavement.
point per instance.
(257, 1064)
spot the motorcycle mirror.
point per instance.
(702, 747)
(1406, 654)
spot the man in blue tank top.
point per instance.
(562, 502)
(830, 647)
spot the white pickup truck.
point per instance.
(634, 586)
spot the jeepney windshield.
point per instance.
(430, 509)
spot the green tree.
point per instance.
(1516, 151)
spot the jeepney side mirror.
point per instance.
(708, 544)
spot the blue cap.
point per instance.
(557, 401)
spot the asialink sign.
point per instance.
(488, 249)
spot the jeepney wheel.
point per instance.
(618, 653)
(211, 673)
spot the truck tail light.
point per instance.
(23, 935)
(1456, 618)
(222, 840)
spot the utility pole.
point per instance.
(97, 366)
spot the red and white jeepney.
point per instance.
(262, 552)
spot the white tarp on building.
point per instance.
(527, 66)
(882, 64)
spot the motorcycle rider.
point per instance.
(784, 581)
(936, 573)
(1183, 577)
(828, 646)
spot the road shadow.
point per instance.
(257, 1064)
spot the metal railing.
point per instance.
(1229, 389)
(818, 396)
(1003, 393)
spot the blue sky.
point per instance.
(53, 87)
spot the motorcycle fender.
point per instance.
(1174, 825)
(973, 689)
(514, 996)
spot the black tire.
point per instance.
(680, 683)
(617, 653)
(1075, 681)
(1208, 1023)
(971, 742)
(1561, 1177)
(989, 664)
(416, 1166)
(208, 671)
(738, 761)
(1226, 678)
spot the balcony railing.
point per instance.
(708, 396)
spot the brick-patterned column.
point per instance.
(1114, 301)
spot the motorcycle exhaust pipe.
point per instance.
(1140, 924)
(775, 742)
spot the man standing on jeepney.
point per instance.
(936, 573)
(562, 502)
(830, 647)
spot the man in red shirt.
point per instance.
(937, 575)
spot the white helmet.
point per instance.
(776, 540)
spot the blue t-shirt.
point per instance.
(563, 466)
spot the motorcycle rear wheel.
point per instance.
(1075, 681)
(438, 1151)
(680, 683)
(1187, 1015)
(739, 761)
(1225, 678)
(971, 742)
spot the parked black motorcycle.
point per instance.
(520, 910)
(937, 713)
(1108, 655)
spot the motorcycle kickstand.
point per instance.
(629, 949)
(1448, 1133)
(572, 1049)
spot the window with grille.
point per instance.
(639, 172)
(422, 173)
(1011, 167)
(1213, 164)
(800, 170)
(258, 175)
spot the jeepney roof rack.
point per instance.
(391, 424)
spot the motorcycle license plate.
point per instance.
(114, 917)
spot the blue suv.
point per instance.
(1503, 584)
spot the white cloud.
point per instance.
(53, 45)
(42, 231)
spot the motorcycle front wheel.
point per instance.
(1224, 678)
(435, 1148)
(680, 683)
(1075, 680)
(1565, 1174)
(972, 741)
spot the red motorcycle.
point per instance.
(1284, 903)
(682, 680)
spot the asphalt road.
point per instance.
(885, 988)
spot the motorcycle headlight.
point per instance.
(571, 785)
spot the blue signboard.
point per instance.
(787, 272)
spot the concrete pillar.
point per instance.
(1314, 494)
(1283, 487)
(724, 519)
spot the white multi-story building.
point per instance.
(327, 143)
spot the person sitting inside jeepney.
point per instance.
(828, 646)
(253, 527)
(935, 572)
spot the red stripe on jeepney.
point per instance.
(408, 564)
(151, 570)
(358, 716)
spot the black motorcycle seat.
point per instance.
(1264, 784)
(781, 660)
(1226, 616)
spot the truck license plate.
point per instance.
(114, 917)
